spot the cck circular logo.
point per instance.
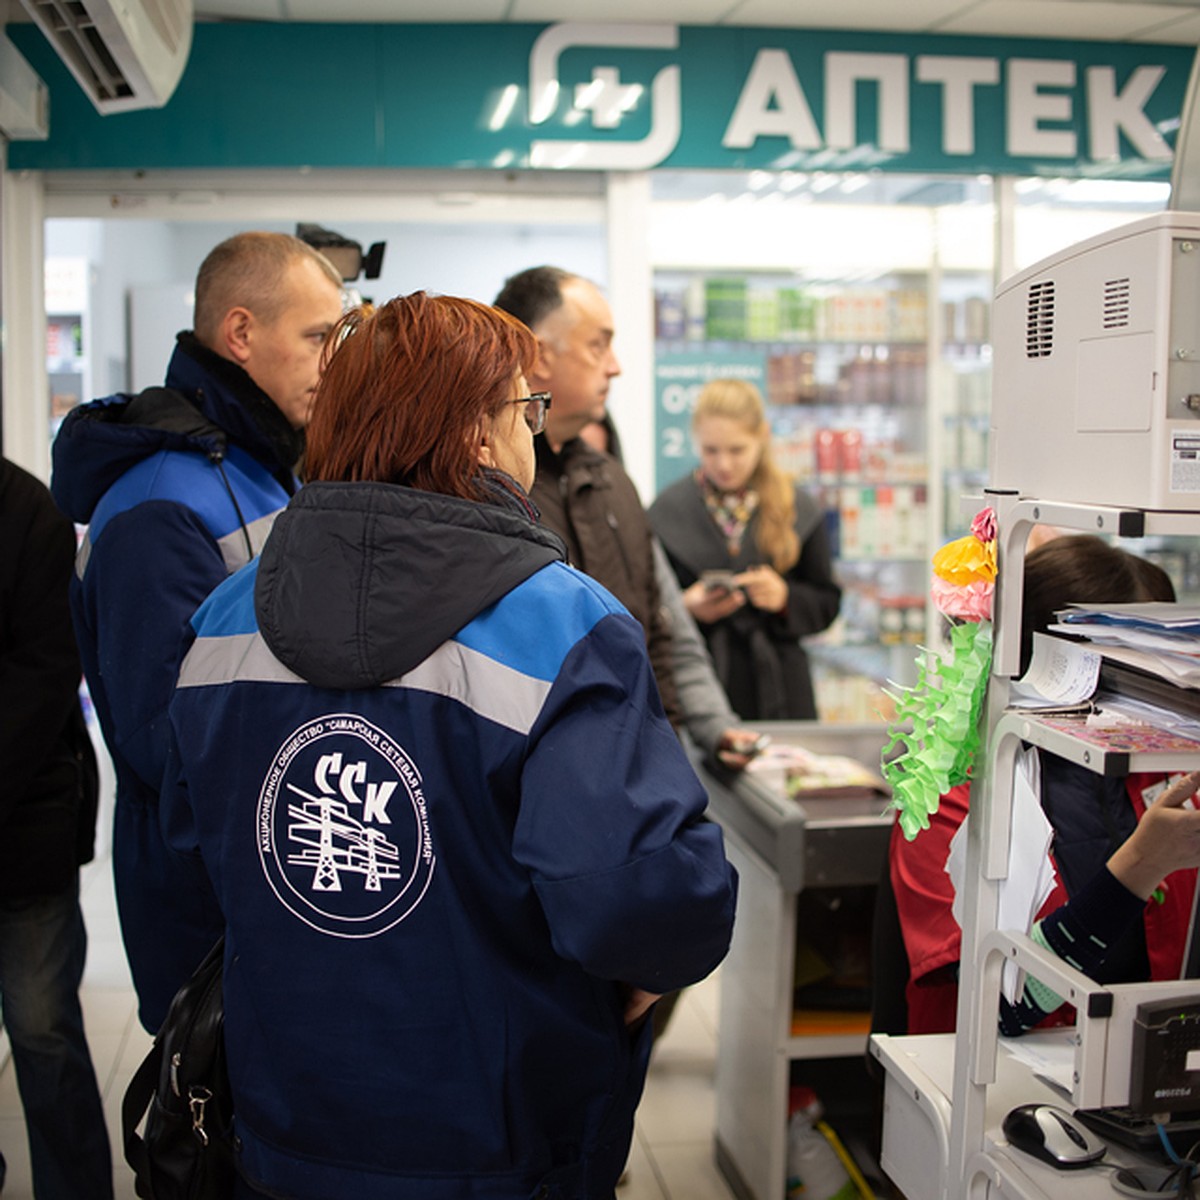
(343, 834)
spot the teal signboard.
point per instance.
(631, 97)
(678, 378)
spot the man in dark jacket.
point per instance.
(584, 495)
(178, 487)
(47, 827)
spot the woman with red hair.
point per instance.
(458, 848)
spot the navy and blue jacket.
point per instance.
(427, 768)
(178, 487)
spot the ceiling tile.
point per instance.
(862, 14)
(1175, 21)
(1183, 31)
(681, 12)
(386, 11)
(1098, 19)
(240, 10)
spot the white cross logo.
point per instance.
(607, 97)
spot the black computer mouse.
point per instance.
(1053, 1135)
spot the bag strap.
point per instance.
(139, 1094)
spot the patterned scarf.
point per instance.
(730, 511)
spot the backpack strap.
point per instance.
(139, 1095)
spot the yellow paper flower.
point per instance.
(966, 560)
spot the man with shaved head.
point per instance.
(178, 487)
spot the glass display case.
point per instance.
(871, 353)
(860, 303)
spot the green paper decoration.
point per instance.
(944, 708)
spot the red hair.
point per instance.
(405, 391)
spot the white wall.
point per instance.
(469, 260)
(452, 234)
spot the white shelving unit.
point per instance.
(946, 1096)
(1092, 402)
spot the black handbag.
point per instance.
(182, 1089)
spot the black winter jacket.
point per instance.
(586, 497)
(48, 797)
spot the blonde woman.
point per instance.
(752, 556)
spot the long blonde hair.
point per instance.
(739, 401)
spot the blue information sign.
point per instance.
(678, 378)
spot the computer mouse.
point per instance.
(1053, 1135)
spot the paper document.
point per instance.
(1154, 614)
(1048, 1053)
(1136, 636)
(1135, 726)
(1030, 869)
(1061, 673)
(1183, 671)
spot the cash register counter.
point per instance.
(782, 849)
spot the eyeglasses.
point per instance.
(535, 414)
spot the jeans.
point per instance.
(42, 949)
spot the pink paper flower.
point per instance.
(968, 602)
(983, 526)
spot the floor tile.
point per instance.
(642, 1179)
(18, 1184)
(690, 1174)
(106, 1009)
(679, 1104)
(10, 1102)
(688, 1027)
(705, 1000)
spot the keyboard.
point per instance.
(1138, 1131)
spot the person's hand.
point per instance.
(765, 588)
(1167, 839)
(637, 1005)
(737, 747)
(709, 604)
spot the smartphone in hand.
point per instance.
(757, 746)
(717, 581)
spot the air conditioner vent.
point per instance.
(125, 54)
(1039, 320)
(1116, 304)
(73, 34)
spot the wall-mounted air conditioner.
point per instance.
(126, 54)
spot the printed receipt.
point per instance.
(1061, 673)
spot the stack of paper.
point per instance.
(1158, 637)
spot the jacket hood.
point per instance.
(208, 403)
(360, 582)
(98, 442)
